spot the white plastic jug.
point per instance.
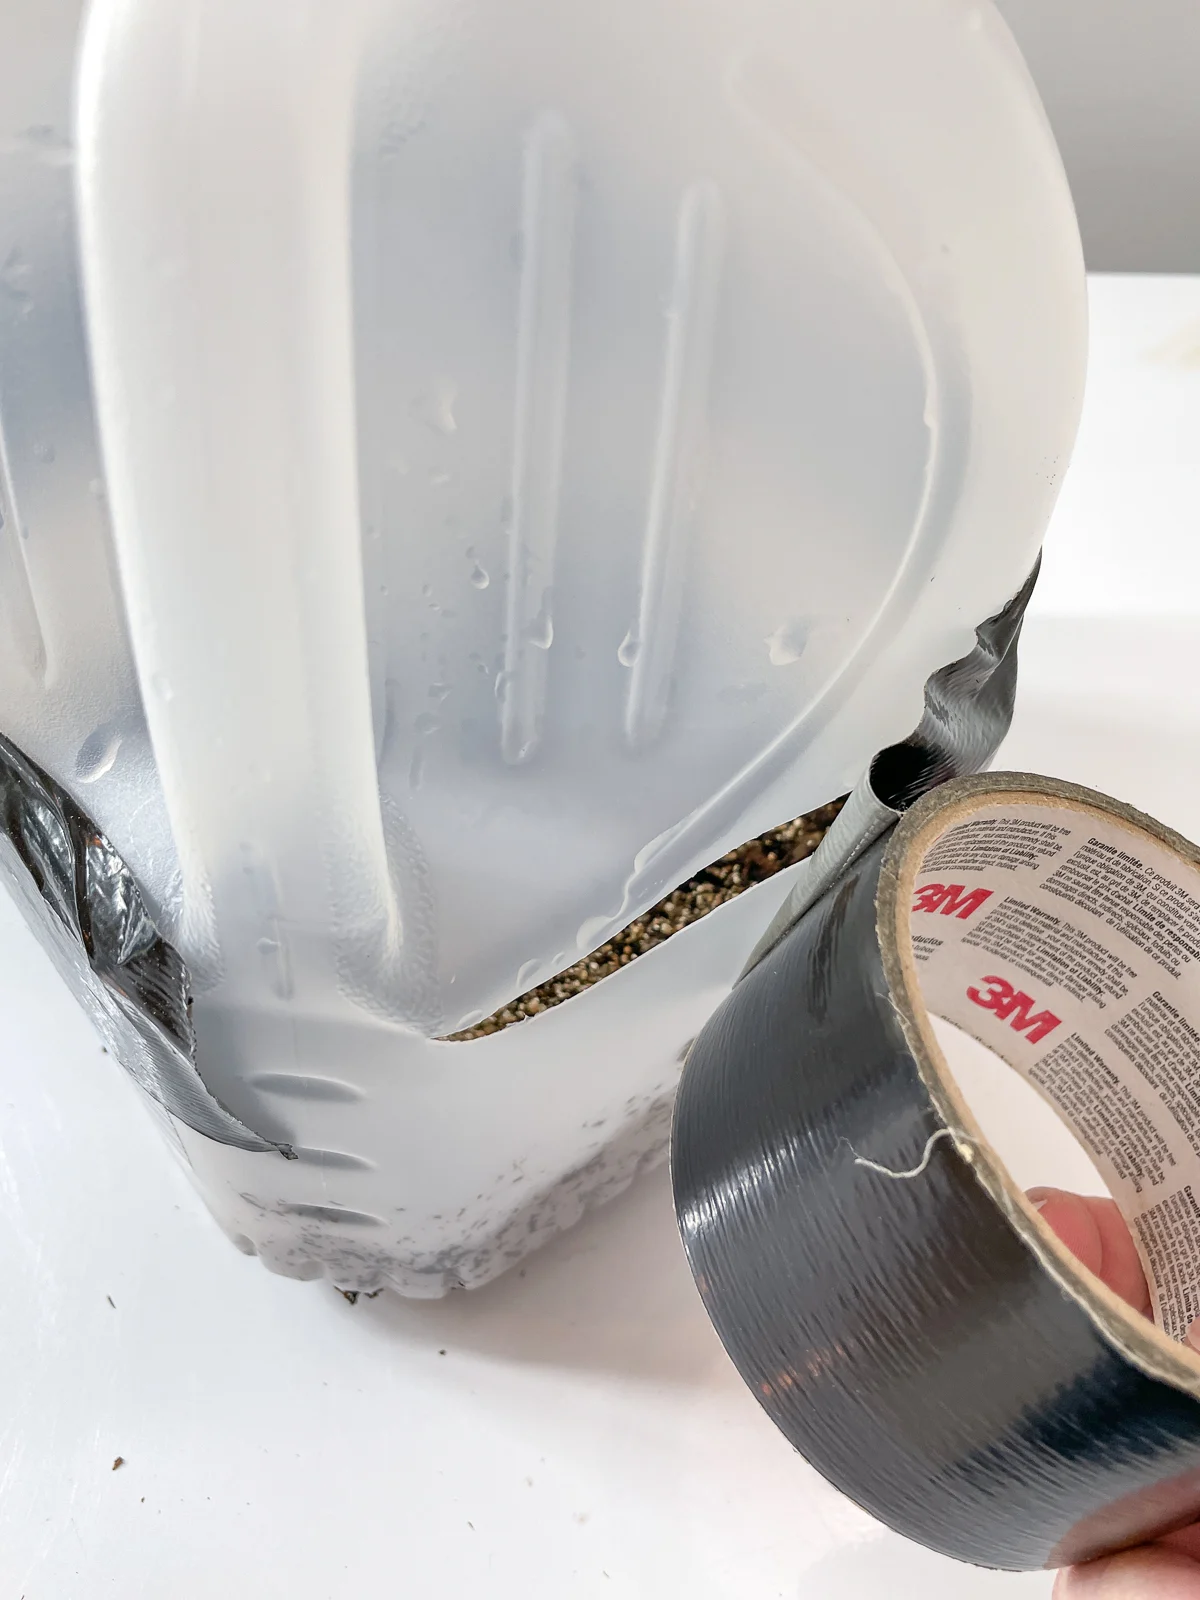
(545, 443)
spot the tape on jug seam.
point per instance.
(879, 1279)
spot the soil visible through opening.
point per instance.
(724, 880)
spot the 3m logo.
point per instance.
(1014, 1007)
(951, 899)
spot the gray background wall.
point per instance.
(1121, 83)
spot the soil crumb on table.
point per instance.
(741, 869)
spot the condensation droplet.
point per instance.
(479, 577)
(590, 932)
(440, 479)
(439, 691)
(540, 631)
(279, 967)
(436, 406)
(97, 754)
(161, 686)
(426, 723)
(527, 974)
(15, 273)
(503, 679)
(787, 643)
(627, 654)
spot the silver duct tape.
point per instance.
(884, 1288)
(83, 903)
(968, 710)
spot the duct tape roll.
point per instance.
(883, 1285)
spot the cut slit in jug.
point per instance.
(543, 447)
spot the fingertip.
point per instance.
(1120, 1264)
(1071, 1220)
(1095, 1232)
(1151, 1573)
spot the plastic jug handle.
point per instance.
(214, 165)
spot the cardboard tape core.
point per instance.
(880, 1280)
(1067, 941)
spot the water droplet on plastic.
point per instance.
(479, 577)
(540, 631)
(503, 679)
(278, 966)
(439, 691)
(627, 654)
(590, 931)
(426, 723)
(97, 754)
(427, 590)
(787, 643)
(440, 479)
(527, 974)
(14, 275)
(96, 488)
(436, 406)
(160, 684)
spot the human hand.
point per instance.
(1169, 1569)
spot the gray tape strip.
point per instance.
(968, 709)
(882, 1285)
(84, 905)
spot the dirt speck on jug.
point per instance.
(751, 863)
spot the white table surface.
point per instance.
(575, 1429)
